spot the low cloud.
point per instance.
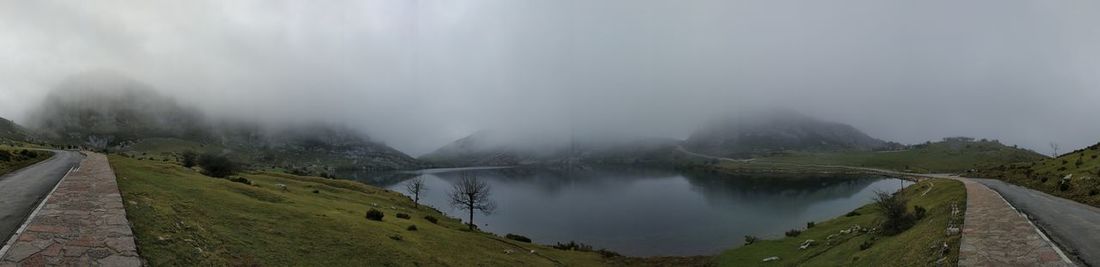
(419, 74)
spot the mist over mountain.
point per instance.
(765, 132)
(741, 135)
(108, 110)
(11, 131)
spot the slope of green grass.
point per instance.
(183, 218)
(1047, 175)
(921, 245)
(13, 158)
(938, 157)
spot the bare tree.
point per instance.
(1054, 146)
(414, 187)
(472, 194)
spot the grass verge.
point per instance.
(922, 245)
(15, 158)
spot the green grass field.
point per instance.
(1047, 175)
(938, 157)
(918, 246)
(183, 218)
(12, 158)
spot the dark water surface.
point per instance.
(648, 212)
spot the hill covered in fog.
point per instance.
(109, 111)
(764, 133)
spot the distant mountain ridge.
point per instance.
(744, 136)
(110, 111)
(764, 133)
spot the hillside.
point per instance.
(183, 218)
(838, 245)
(758, 134)
(1074, 175)
(486, 148)
(492, 148)
(957, 154)
(107, 111)
(11, 131)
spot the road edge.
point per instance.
(30, 217)
(1038, 229)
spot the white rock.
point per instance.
(771, 259)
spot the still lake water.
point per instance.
(647, 212)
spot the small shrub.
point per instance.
(919, 212)
(1093, 192)
(411, 228)
(1064, 186)
(519, 238)
(894, 208)
(750, 239)
(315, 191)
(607, 253)
(396, 237)
(865, 245)
(852, 213)
(1044, 180)
(216, 166)
(810, 225)
(375, 215)
(188, 159)
(572, 245)
(403, 216)
(241, 180)
(793, 233)
(431, 219)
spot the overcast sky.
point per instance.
(419, 74)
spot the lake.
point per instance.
(647, 212)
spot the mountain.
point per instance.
(494, 148)
(763, 133)
(13, 132)
(109, 111)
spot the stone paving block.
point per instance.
(82, 224)
(995, 234)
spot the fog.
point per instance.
(419, 74)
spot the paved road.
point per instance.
(1074, 226)
(22, 190)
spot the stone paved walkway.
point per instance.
(995, 234)
(82, 224)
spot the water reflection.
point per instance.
(647, 212)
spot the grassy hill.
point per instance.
(1075, 175)
(921, 245)
(12, 132)
(107, 111)
(183, 218)
(949, 155)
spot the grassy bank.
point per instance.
(920, 245)
(15, 158)
(1075, 175)
(183, 218)
(938, 157)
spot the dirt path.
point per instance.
(83, 223)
